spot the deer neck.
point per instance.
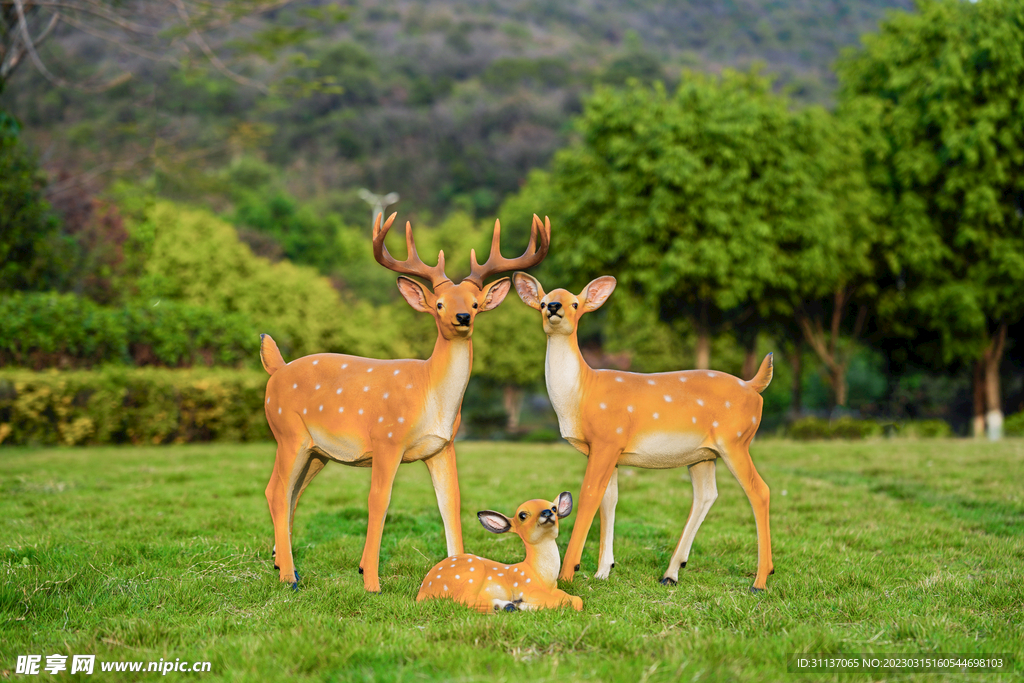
(566, 375)
(543, 558)
(447, 376)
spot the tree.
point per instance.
(938, 95)
(713, 205)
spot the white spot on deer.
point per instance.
(360, 411)
(389, 435)
(515, 584)
(401, 419)
(341, 410)
(527, 581)
(366, 388)
(315, 362)
(668, 399)
(338, 391)
(472, 569)
(753, 420)
(316, 387)
(619, 430)
(439, 576)
(469, 559)
(397, 371)
(490, 578)
(444, 586)
(268, 401)
(742, 383)
(500, 574)
(655, 416)
(603, 406)
(739, 434)
(629, 409)
(385, 395)
(369, 369)
(682, 379)
(651, 382)
(700, 401)
(471, 580)
(303, 411)
(456, 576)
(408, 386)
(278, 411)
(344, 365)
(295, 386)
(694, 420)
(321, 409)
(381, 419)
(714, 424)
(618, 379)
(711, 374)
(728, 405)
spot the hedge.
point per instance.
(852, 429)
(131, 405)
(65, 330)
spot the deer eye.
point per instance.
(522, 516)
(575, 305)
(439, 305)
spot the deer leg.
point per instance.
(289, 451)
(606, 555)
(705, 491)
(445, 478)
(742, 467)
(599, 471)
(382, 478)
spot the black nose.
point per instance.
(546, 513)
(554, 306)
(462, 318)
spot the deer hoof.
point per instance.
(510, 607)
(772, 571)
(576, 568)
(755, 591)
(613, 565)
(668, 581)
(682, 565)
(277, 568)
(360, 570)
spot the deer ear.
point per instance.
(597, 292)
(529, 289)
(415, 294)
(564, 504)
(495, 522)
(496, 294)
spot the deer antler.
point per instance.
(496, 263)
(412, 265)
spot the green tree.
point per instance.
(29, 231)
(713, 205)
(938, 93)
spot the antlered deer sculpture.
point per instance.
(380, 413)
(656, 421)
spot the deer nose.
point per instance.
(547, 514)
(553, 307)
(462, 319)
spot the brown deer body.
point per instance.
(489, 586)
(656, 421)
(381, 413)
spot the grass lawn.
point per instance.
(164, 552)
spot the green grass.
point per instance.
(164, 552)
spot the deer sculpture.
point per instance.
(656, 421)
(489, 586)
(380, 413)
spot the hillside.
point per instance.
(448, 103)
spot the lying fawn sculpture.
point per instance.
(380, 413)
(489, 586)
(656, 421)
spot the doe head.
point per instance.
(534, 520)
(560, 309)
(455, 306)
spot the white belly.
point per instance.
(665, 450)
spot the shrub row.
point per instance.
(849, 428)
(64, 330)
(131, 405)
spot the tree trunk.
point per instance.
(795, 408)
(827, 346)
(839, 386)
(750, 359)
(979, 400)
(702, 354)
(513, 403)
(993, 404)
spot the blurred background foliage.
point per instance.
(863, 222)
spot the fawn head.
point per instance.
(534, 521)
(455, 306)
(560, 309)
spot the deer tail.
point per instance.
(763, 377)
(270, 354)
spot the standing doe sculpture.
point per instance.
(656, 421)
(380, 413)
(489, 586)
